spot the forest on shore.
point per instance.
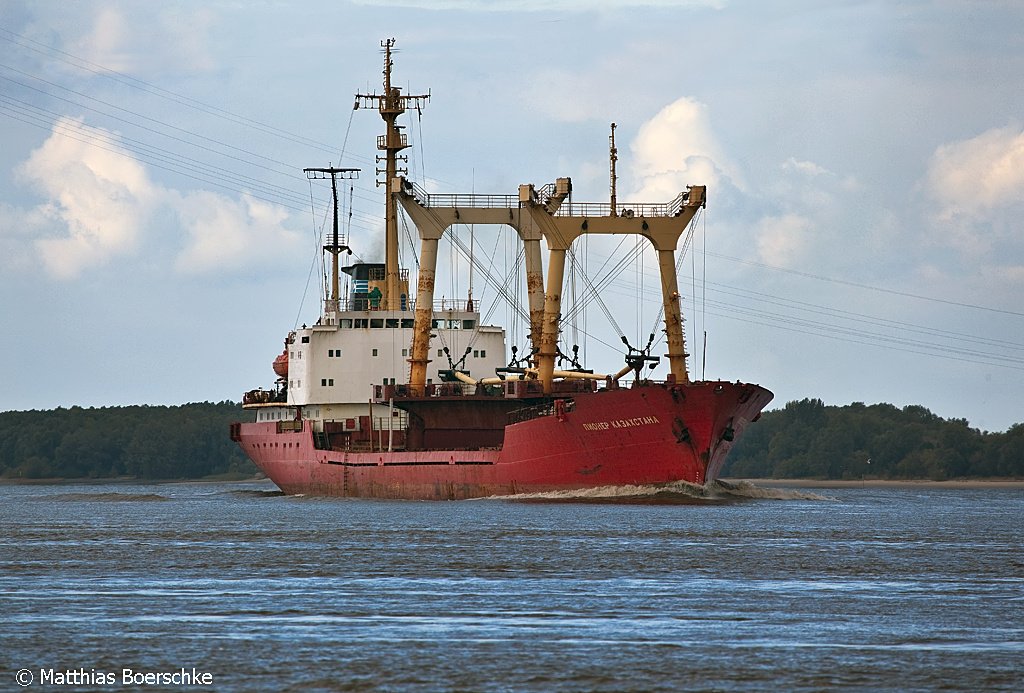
(189, 441)
(811, 440)
(805, 439)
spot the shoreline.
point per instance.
(126, 480)
(883, 483)
(761, 483)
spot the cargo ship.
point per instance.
(395, 395)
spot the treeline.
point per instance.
(182, 442)
(805, 439)
(808, 439)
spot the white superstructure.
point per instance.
(338, 363)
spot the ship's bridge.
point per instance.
(340, 359)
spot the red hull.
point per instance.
(653, 434)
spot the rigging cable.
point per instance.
(157, 157)
(161, 123)
(596, 289)
(868, 286)
(344, 141)
(317, 257)
(408, 237)
(693, 293)
(151, 154)
(687, 245)
(703, 298)
(176, 97)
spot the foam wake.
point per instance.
(678, 492)
(747, 489)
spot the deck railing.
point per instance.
(626, 210)
(568, 208)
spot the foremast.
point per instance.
(391, 104)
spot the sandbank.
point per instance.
(884, 483)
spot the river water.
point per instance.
(235, 587)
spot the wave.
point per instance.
(255, 493)
(675, 493)
(746, 489)
(110, 497)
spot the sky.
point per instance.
(862, 240)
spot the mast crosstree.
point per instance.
(338, 243)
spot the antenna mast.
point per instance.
(613, 156)
(391, 104)
(338, 243)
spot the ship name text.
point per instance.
(620, 423)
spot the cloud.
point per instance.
(141, 39)
(95, 189)
(100, 203)
(805, 214)
(974, 189)
(979, 176)
(546, 6)
(104, 45)
(784, 240)
(224, 232)
(16, 228)
(808, 168)
(676, 148)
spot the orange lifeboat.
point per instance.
(281, 364)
